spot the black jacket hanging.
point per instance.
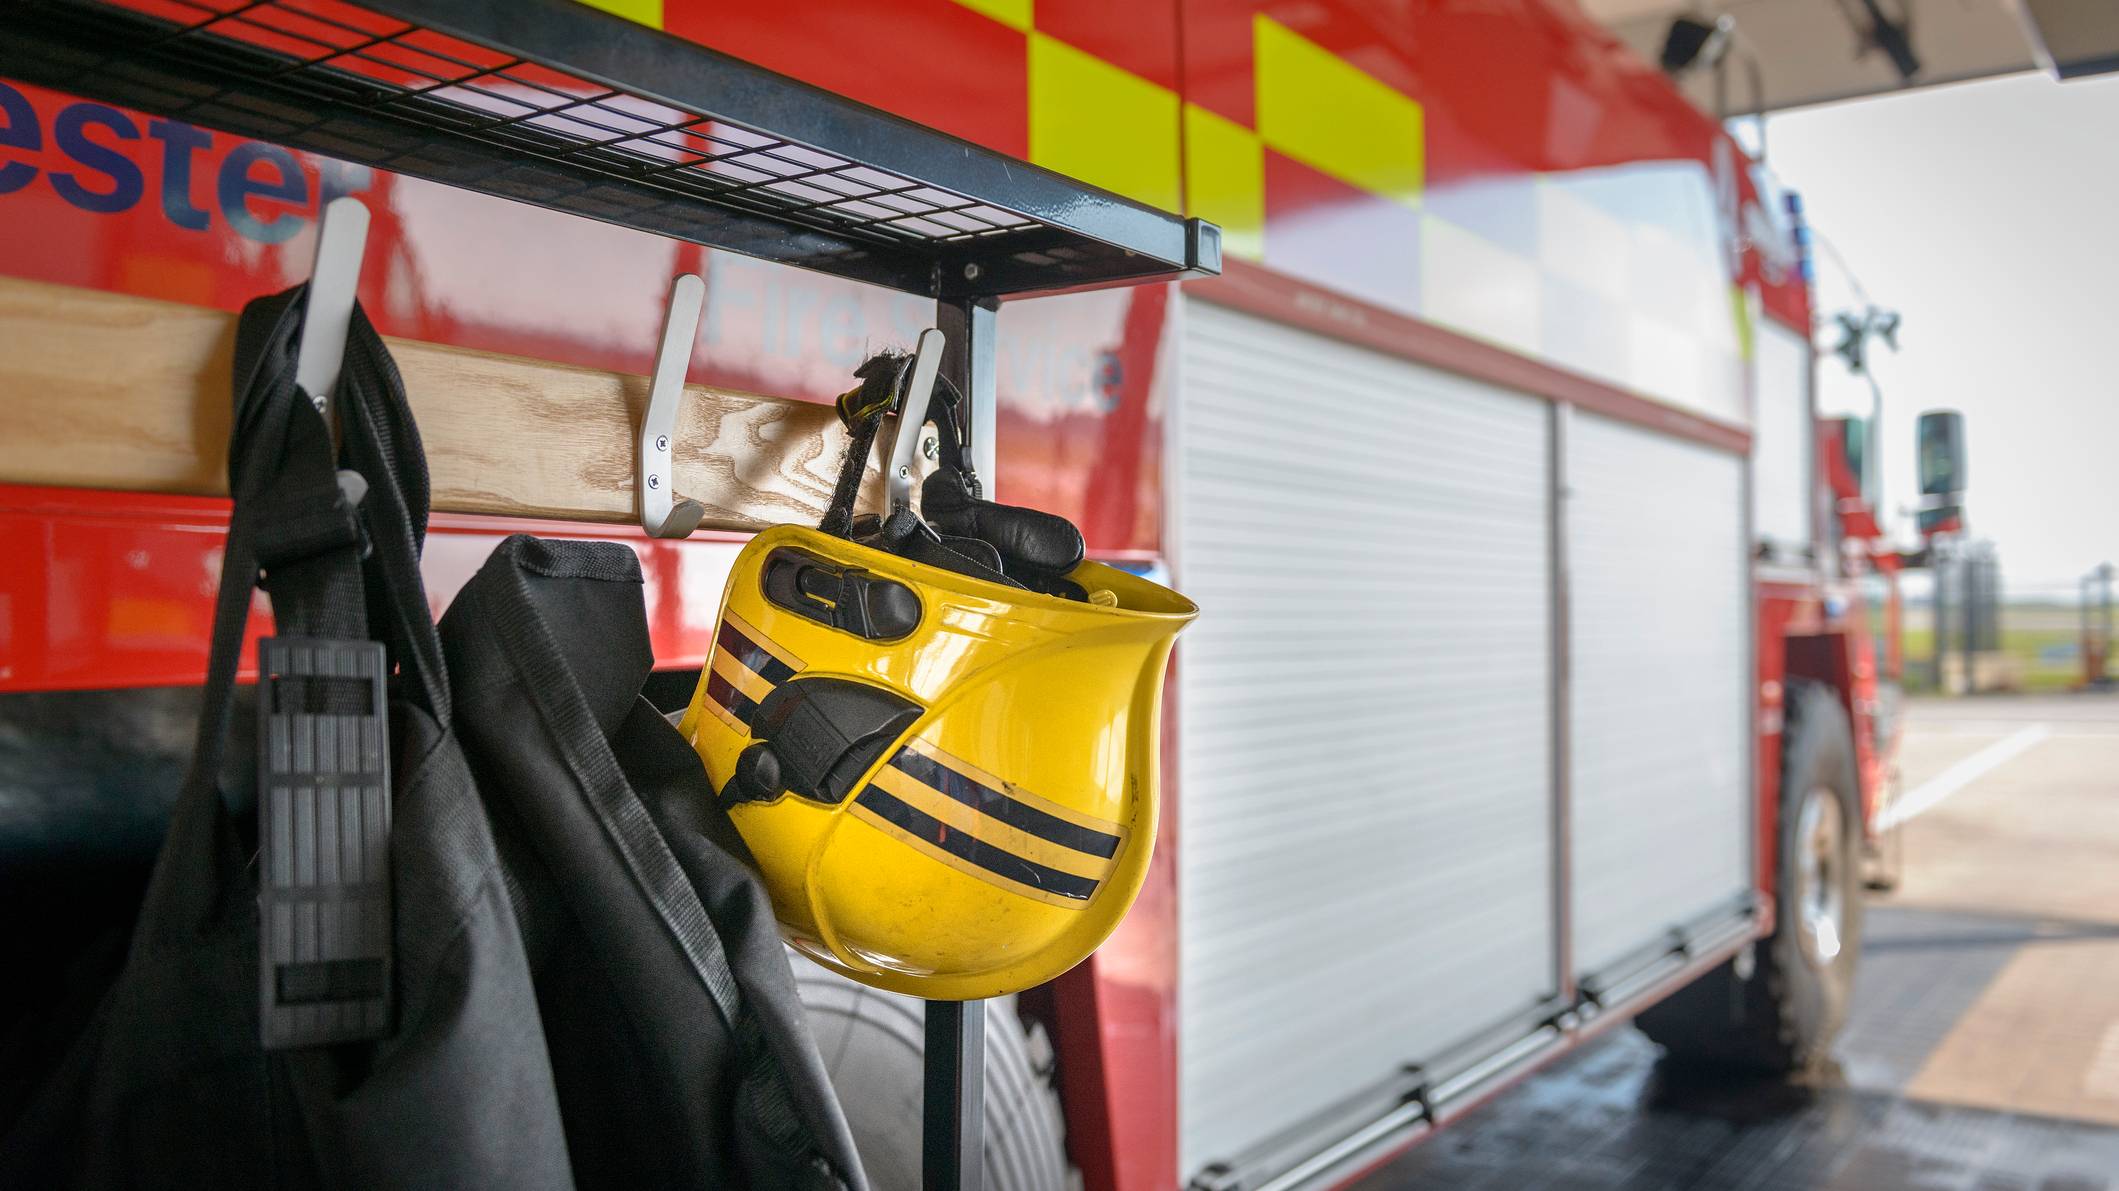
(171, 1086)
(588, 988)
(682, 1053)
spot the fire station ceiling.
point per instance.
(1815, 51)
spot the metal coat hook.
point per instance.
(341, 239)
(912, 418)
(662, 515)
(327, 319)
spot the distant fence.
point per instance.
(1975, 637)
(1967, 650)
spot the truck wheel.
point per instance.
(872, 1043)
(1783, 1014)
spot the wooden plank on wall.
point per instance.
(101, 390)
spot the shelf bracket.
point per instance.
(955, 1057)
(970, 325)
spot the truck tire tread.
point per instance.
(1786, 1015)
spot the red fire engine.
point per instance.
(1534, 690)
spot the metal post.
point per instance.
(2085, 642)
(2105, 651)
(1560, 705)
(969, 361)
(1872, 477)
(954, 1103)
(2097, 627)
(955, 1100)
(1992, 602)
(1968, 599)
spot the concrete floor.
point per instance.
(1983, 1051)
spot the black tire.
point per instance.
(872, 1043)
(1784, 1017)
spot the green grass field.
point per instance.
(2046, 653)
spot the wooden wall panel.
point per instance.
(101, 390)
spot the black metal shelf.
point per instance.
(554, 103)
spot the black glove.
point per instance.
(905, 535)
(1035, 549)
(961, 532)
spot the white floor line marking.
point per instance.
(1929, 794)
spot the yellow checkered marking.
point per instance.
(1015, 14)
(645, 12)
(1225, 180)
(1106, 126)
(1333, 117)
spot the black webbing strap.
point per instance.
(861, 410)
(294, 522)
(288, 507)
(338, 551)
(382, 443)
(956, 530)
(947, 413)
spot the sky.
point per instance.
(1987, 214)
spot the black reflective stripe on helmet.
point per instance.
(754, 656)
(968, 848)
(993, 803)
(738, 643)
(732, 701)
(958, 815)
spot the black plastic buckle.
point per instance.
(324, 914)
(849, 599)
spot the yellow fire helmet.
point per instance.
(941, 747)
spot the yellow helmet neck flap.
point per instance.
(938, 734)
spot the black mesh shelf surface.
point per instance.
(553, 103)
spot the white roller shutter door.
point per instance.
(1366, 767)
(1659, 709)
(1783, 441)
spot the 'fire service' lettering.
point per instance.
(259, 189)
